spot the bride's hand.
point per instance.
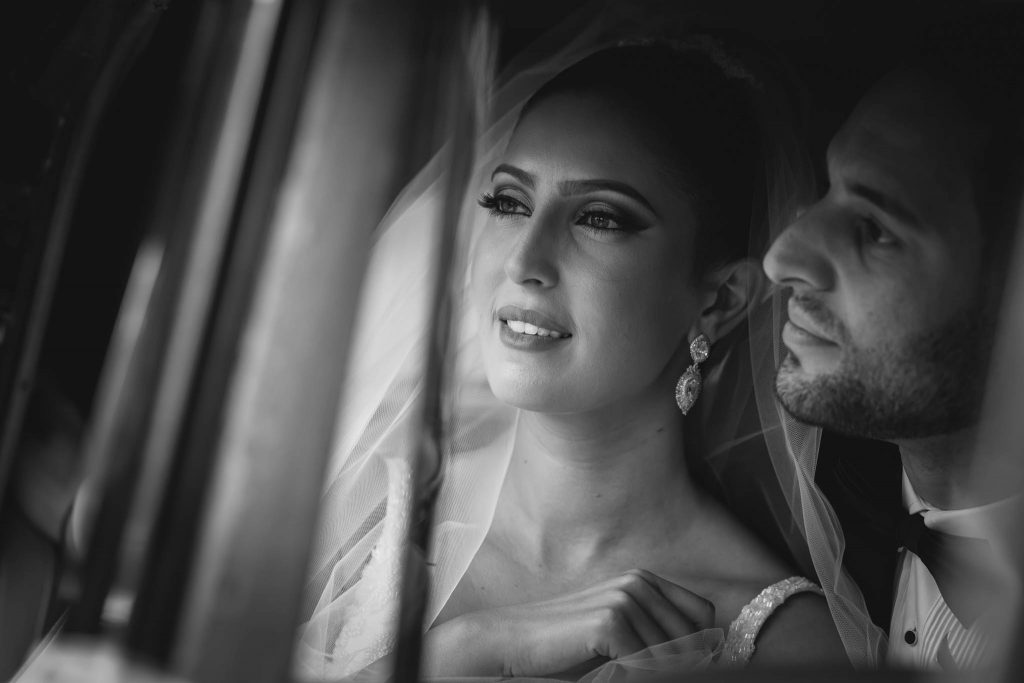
(615, 618)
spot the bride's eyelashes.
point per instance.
(607, 220)
(503, 206)
(600, 219)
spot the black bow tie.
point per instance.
(961, 566)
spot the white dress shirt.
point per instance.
(924, 633)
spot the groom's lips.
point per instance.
(794, 335)
(801, 329)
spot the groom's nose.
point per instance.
(800, 256)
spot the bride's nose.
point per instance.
(533, 257)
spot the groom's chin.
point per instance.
(804, 395)
(836, 401)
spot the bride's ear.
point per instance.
(729, 291)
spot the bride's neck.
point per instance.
(584, 483)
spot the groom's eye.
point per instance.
(874, 233)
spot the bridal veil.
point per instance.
(761, 462)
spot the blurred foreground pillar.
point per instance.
(217, 410)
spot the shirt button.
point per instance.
(910, 637)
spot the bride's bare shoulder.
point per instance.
(735, 554)
(801, 630)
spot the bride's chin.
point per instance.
(528, 401)
(533, 396)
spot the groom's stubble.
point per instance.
(926, 385)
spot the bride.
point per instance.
(609, 266)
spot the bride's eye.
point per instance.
(603, 220)
(503, 205)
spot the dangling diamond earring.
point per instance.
(689, 384)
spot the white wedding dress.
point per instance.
(367, 611)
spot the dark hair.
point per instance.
(701, 121)
(978, 55)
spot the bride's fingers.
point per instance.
(697, 609)
(639, 617)
(672, 621)
(623, 628)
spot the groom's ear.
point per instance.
(728, 292)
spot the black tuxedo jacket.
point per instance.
(862, 481)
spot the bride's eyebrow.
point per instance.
(517, 173)
(573, 187)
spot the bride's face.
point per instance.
(582, 276)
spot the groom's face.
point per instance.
(886, 330)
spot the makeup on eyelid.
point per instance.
(599, 218)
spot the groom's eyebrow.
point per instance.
(886, 202)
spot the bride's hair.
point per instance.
(698, 117)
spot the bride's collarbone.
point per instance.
(709, 553)
(729, 573)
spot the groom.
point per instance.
(896, 275)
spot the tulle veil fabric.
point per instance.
(354, 574)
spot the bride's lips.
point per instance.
(523, 328)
